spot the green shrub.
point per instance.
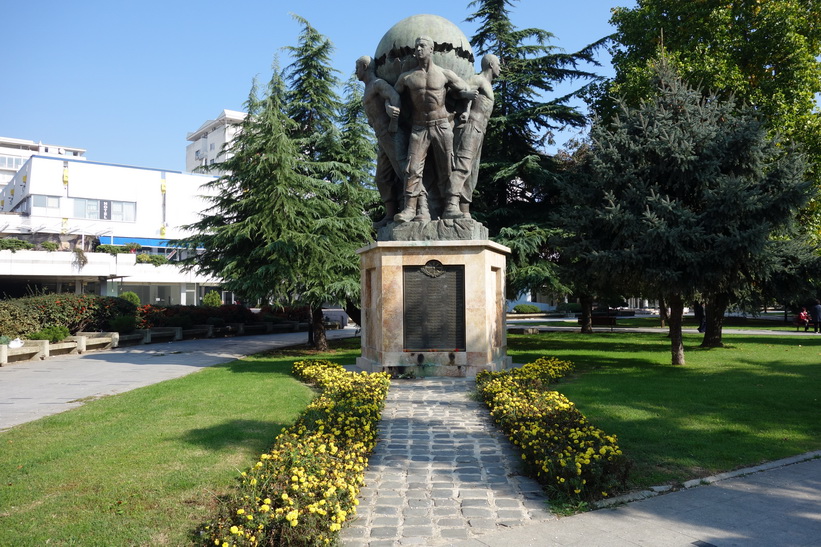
(13, 244)
(53, 334)
(184, 321)
(569, 307)
(76, 312)
(4, 340)
(212, 299)
(131, 297)
(156, 260)
(526, 308)
(49, 246)
(132, 247)
(124, 324)
(218, 322)
(110, 249)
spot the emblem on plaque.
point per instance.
(433, 269)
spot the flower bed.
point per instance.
(573, 459)
(302, 491)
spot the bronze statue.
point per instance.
(382, 106)
(427, 86)
(469, 136)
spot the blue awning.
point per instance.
(144, 241)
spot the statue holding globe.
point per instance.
(437, 111)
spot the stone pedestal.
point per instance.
(433, 308)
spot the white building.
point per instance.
(208, 141)
(77, 204)
(15, 152)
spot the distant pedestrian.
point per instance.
(804, 319)
(815, 312)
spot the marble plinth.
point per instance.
(390, 329)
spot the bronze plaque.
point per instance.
(434, 307)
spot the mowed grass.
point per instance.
(145, 467)
(755, 400)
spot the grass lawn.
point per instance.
(755, 400)
(773, 322)
(144, 467)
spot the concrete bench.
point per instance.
(199, 331)
(31, 349)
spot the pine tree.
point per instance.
(689, 191)
(516, 176)
(274, 232)
(312, 99)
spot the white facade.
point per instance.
(77, 203)
(15, 152)
(208, 141)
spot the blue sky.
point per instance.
(129, 80)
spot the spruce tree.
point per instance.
(274, 232)
(681, 195)
(516, 177)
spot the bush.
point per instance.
(303, 490)
(4, 340)
(49, 246)
(156, 260)
(13, 244)
(132, 247)
(217, 322)
(76, 312)
(526, 308)
(576, 461)
(124, 324)
(212, 299)
(53, 334)
(110, 249)
(132, 297)
(569, 307)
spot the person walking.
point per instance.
(815, 312)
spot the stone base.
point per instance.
(430, 368)
(386, 309)
(434, 230)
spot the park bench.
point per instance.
(31, 349)
(798, 324)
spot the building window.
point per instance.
(51, 202)
(96, 209)
(212, 146)
(124, 211)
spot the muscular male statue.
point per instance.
(469, 137)
(427, 86)
(382, 104)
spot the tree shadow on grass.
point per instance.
(234, 433)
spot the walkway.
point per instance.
(442, 475)
(441, 471)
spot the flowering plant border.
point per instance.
(576, 461)
(303, 490)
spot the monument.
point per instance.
(433, 298)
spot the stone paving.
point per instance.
(441, 472)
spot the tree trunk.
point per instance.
(320, 340)
(586, 301)
(675, 317)
(714, 313)
(663, 315)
